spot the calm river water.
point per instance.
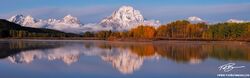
(111, 59)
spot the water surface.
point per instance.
(109, 59)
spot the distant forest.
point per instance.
(178, 29)
(9, 29)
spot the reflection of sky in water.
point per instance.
(132, 60)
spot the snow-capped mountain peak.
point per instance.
(193, 18)
(235, 21)
(29, 20)
(128, 13)
(22, 20)
(17, 19)
(70, 19)
(125, 18)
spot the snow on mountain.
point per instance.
(17, 19)
(67, 24)
(29, 21)
(193, 18)
(52, 21)
(25, 20)
(125, 18)
(70, 20)
(235, 21)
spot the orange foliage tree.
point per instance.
(193, 31)
(163, 31)
(174, 30)
(143, 32)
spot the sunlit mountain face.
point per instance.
(126, 57)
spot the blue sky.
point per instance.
(91, 11)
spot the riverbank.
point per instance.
(127, 39)
(173, 39)
(57, 38)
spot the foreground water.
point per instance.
(108, 59)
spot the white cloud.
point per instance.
(74, 28)
(78, 28)
(154, 23)
(94, 27)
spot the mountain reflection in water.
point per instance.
(124, 56)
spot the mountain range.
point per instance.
(125, 18)
(68, 22)
(10, 29)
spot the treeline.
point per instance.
(174, 30)
(182, 29)
(229, 31)
(9, 29)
